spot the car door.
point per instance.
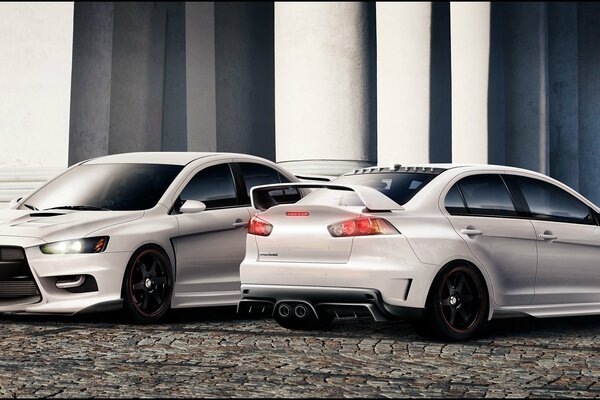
(483, 213)
(568, 244)
(211, 243)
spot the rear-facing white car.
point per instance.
(142, 231)
(448, 245)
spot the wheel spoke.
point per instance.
(160, 280)
(452, 315)
(145, 302)
(449, 286)
(459, 285)
(138, 286)
(446, 302)
(463, 314)
(153, 268)
(157, 298)
(143, 268)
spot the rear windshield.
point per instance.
(398, 186)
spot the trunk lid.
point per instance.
(305, 238)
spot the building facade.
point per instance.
(488, 82)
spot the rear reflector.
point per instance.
(259, 227)
(297, 213)
(362, 226)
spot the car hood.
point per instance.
(53, 225)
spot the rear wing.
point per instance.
(372, 198)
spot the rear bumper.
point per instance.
(336, 301)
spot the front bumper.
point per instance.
(100, 290)
(334, 301)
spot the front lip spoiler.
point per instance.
(111, 305)
(332, 300)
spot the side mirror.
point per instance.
(192, 206)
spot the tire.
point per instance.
(458, 303)
(308, 323)
(147, 285)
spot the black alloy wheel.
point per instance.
(148, 286)
(458, 303)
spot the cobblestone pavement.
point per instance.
(214, 353)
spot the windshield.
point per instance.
(398, 186)
(117, 187)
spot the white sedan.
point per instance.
(142, 231)
(447, 246)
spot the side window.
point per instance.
(258, 174)
(486, 194)
(454, 202)
(213, 185)
(550, 202)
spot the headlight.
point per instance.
(77, 246)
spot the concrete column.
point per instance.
(91, 80)
(403, 82)
(324, 72)
(440, 87)
(245, 78)
(526, 85)
(470, 37)
(200, 76)
(174, 129)
(562, 92)
(588, 32)
(137, 79)
(496, 126)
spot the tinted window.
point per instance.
(258, 174)
(213, 185)
(547, 201)
(486, 194)
(398, 186)
(454, 202)
(117, 187)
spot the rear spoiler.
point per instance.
(372, 198)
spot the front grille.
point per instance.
(16, 289)
(16, 279)
(11, 254)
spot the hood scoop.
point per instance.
(46, 214)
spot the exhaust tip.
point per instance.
(301, 311)
(284, 310)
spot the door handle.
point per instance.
(547, 236)
(471, 232)
(240, 223)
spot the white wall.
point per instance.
(35, 84)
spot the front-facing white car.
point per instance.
(142, 231)
(448, 245)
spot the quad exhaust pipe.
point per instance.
(300, 310)
(284, 310)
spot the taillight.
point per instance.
(259, 227)
(362, 226)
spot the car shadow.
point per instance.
(498, 329)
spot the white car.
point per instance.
(142, 231)
(448, 245)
